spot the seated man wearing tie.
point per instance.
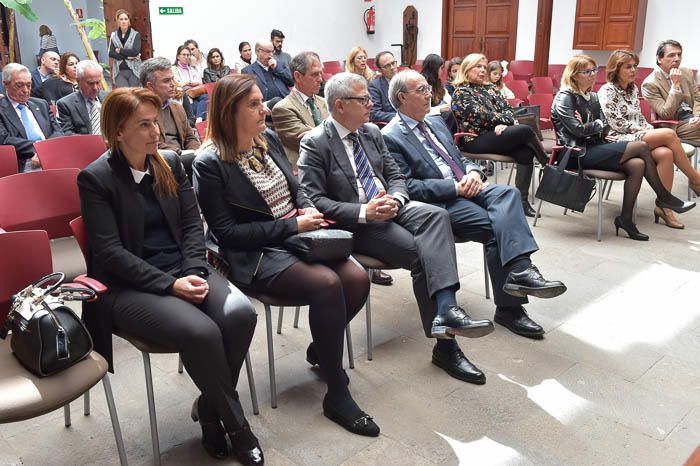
(24, 119)
(79, 112)
(437, 173)
(382, 111)
(273, 78)
(351, 178)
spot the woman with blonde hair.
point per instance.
(580, 122)
(491, 124)
(619, 100)
(356, 62)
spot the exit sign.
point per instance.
(170, 10)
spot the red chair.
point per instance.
(596, 87)
(417, 67)
(327, 76)
(202, 129)
(508, 78)
(210, 88)
(601, 76)
(522, 69)
(76, 151)
(642, 73)
(520, 89)
(515, 102)
(542, 85)
(555, 72)
(544, 101)
(372, 63)
(333, 67)
(8, 161)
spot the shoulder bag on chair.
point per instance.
(320, 245)
(47, 336)
(565, 188)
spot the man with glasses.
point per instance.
(382, 111)
(274, 79)
(438, 174)
(24, 119)
(347, 172)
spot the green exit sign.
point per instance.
(170, 10)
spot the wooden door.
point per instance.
(590, 24)
(485, 26)
(140, 20)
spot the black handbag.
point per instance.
(47, 336)
(320, 245)
(564, 188)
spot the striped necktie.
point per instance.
(95, 117)
(364, 170)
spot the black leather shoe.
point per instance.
(528, 210)
(361, 424)
(213, 434)
(456, 364)
(381, 278)
(517, 321)
(531, 282)
(675, 204)
(456, 322)
(246, 447)
(312, 358)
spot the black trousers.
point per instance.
(516, 141)
(212, 337)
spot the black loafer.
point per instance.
(361, 424)
(381, 278)
(531, 282)
(456, 364)
(517, 321)
(528, 210)
(312, 358)
(456, 322)
(246, 447)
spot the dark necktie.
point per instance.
(456, 169)
(315, 114)
(364, 170)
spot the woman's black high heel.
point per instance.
(213, 434)
(672, 202)
(629, 228)
(246, 447)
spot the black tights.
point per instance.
(637, 163)
(336, 292)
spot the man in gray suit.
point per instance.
(79, 112)
(346, 170)
(379, 88)
(437, 173)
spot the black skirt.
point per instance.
(600, 156)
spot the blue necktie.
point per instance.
(32, 133)
(364, 170)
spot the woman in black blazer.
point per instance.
(147, 245)
(249, 198)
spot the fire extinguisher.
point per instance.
(369, 20)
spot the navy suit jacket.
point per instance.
(281, 78)
(423, 177)
(12, 131)
(382, 109)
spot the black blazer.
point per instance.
(382, 110)
(570, 131)
(236, 213)
(12, 131)
(113, 218)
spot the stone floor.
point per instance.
(616, 381)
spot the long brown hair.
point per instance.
(223, 106)
(117, 108)
(576, 64)
(616, 61)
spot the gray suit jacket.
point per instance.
(382, 110)
(327, 177)
(72, 114)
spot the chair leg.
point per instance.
(279, 320)
(66, 414)
(296, 317)
(348, 338)
(151, 407)
(487, 292)
(368, 318)
(537, 215)
(607, 196)
(495, 172)
(510, 173)
(86, 403)
(270, 356)
(600, 209)
(115, 420)
(179, 364)
(251, 384)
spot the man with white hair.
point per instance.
(437, 173)
(79, 112)
(24, 119)
(274, 79)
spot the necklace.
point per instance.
(254, 158)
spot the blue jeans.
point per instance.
(201, 104)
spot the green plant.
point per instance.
(96, 28)
(23, 7)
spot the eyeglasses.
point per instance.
(363, 100)
(392, 64)
(427, 89)
(184, 54)
(590, 72)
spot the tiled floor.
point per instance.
(616, 381)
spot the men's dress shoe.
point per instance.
(456, 322)
(312, 358)
(213, 434)
(381, 278)
(246, 447)
(531, 282)
(458, 366)
(361, 424)
(528, 210)
(517, 321)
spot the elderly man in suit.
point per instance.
(672, 93)
(379, 88)
(24, 119)
(349, 175)
(436, 173)
(79, 112)
(274, 79)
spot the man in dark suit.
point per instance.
(346, 170)
(274, 79)
(48, 67)
(79, 112)
(24, 119)
(379, 88)
(437, 173)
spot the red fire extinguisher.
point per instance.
(369, 20)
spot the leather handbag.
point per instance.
(196, 91)
(565, 188)
(47, 336)
(529, 115)
(320, 245)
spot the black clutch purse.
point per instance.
(320, 245)
(47, 336)
(565, 188)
